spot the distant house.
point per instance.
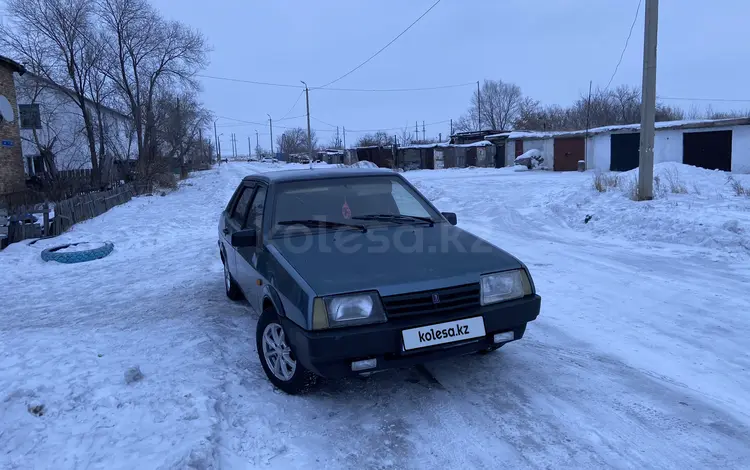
(332, 156)
(722, 144)
(51, 122)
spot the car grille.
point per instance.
(452, 299)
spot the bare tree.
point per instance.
(500, 104)
(179, 119)
(295, 141)
(148, 53)
(335, 142)
(379, 138)
(54, 38)
(406, 136)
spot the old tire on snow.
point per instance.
(77, 256)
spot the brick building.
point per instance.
(11, 161)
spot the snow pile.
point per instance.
(364, 164)
(692, 206)
(531, 159)
(84, 246)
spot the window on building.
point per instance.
(30, 116)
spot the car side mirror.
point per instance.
(244, 238)
(451, 217)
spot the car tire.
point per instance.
(70, 257)
(230, 285)
(275, 355)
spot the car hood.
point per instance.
(391, 260)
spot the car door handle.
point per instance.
(226, 231)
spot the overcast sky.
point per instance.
(550, 48)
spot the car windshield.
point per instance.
(355, 202)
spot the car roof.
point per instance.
(279, 176)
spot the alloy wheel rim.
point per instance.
(277, 353)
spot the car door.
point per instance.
(234, 222)
(247, 257)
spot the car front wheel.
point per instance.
(277, 358)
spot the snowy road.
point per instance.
(639, 358)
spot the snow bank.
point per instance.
(364, 164)
(693, 206)
(531, 159)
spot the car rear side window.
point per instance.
(255, 217)
(240, 210)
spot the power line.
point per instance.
(383, 48)
(395, 128)
(290, 118)
(391, 90)
(248, 81)
(627, 41)
(727, 100)
(294, 105)
(322, 121)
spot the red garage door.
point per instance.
(568, 152)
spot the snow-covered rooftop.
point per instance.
(684, 124)
(481, 143)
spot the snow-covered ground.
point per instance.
(639, 359)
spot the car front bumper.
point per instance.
(330, 353)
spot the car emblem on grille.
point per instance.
(435, 298)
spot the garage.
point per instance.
(711, 150)
(624, 151)
(567, 153)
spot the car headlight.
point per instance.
(347, 310)
(508, 285)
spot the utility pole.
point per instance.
(270, 125)
(344, 137)
(338, 139)
(416, 130)
(424, 132)
(451, 126)
(309, 132)
(257, 144)
(203, 148)
(440, 137)
(216, 139)
(648, 103)
(249, 148)
(479, 108)
(588, 124)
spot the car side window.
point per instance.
(240, 209)
(255, 216)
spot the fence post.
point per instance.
(45, 216)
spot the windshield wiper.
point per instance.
(323, 224)
(397, 218)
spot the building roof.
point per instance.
(630, 128)
(54, 85)
(481, 143)
(420, 146)
(280, 176)
(12, 64)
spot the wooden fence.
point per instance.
(68, 212)
(87, 206)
